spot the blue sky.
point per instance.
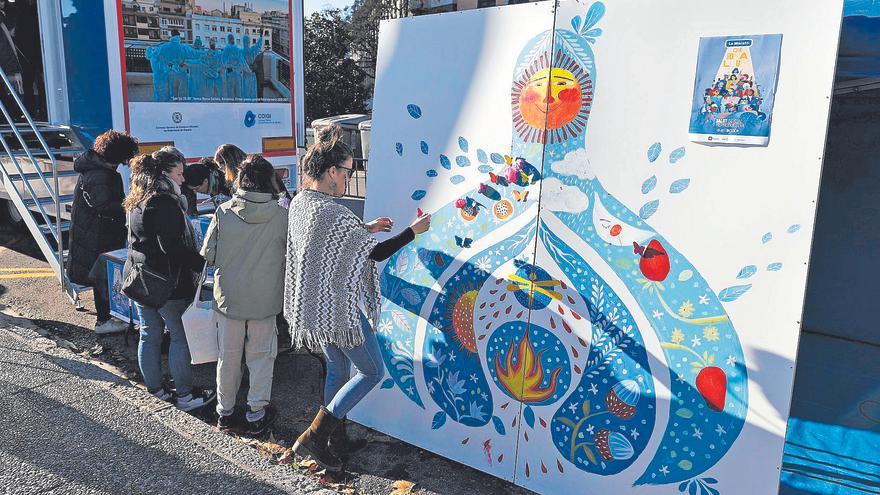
(862, 7)
(315, 5)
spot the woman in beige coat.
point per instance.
(246, 244)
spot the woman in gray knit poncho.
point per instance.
(331, 291)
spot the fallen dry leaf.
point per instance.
(402, 487)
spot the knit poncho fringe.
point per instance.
(328, 271)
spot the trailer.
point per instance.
(188, 73)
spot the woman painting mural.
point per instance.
(331, 293)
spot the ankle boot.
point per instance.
(313, 441)
(341, 444)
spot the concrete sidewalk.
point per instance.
(69, 426)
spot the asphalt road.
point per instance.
(28, 289)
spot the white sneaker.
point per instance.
(196, 399)
(111, 326)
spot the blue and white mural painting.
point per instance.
(543, 330)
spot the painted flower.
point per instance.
(476, 411)
(484, 264)
(456, 386)
(677, 336)
(686, 310)
(711, 334)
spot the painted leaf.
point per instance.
(498, 424)
(685, 275)
(733, 293)
(411, 296)
(794, 228)
(418, 194)
(414, 110)
(402, 264)
(597, 10)
(462, 161)
(593, 33)
(654, 152)
(676, 155)
(399, 148)
(456, 179)
(431, 173)
(766, 238)
(576, 23)
(747, 271)
(445, 163)
(529, 416)
(679, 186)
(683, 486)
(485, 168)
(424, 146)
(648, 209)
(400, 320)
(482, 157)
(774, 267)
(497, 158)
(388, 383)
(438, 421)
(649, 184)
(463, 144)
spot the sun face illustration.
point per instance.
(551, 103)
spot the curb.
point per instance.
(109, 379)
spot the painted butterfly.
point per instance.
(463, 243)
(520, 196)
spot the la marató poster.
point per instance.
(734, 89)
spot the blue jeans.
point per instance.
(153, 323)
(342, 393)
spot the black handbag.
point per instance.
(145, 285)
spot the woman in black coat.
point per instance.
(162, 240)
(98, 219)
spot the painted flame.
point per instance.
(523, 378)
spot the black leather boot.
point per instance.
(313, 441)
(341, 444)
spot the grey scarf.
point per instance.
(328, 273)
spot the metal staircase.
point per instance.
(36, 163)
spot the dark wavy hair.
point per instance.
(256, 174)
(146, 173)
(169, 154)
(326, 152)
(115, 147)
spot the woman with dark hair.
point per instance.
(97, 219)
(161, 238)
(204, 177)
(246, 244)
(229, 158)
(331, 292)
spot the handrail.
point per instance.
(53, 191)
(56, 229)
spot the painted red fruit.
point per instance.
(712, 385)
(654, 263)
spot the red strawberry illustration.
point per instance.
(712, 385)
(654, 262)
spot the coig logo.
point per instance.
(177, 117)
(250, 118)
